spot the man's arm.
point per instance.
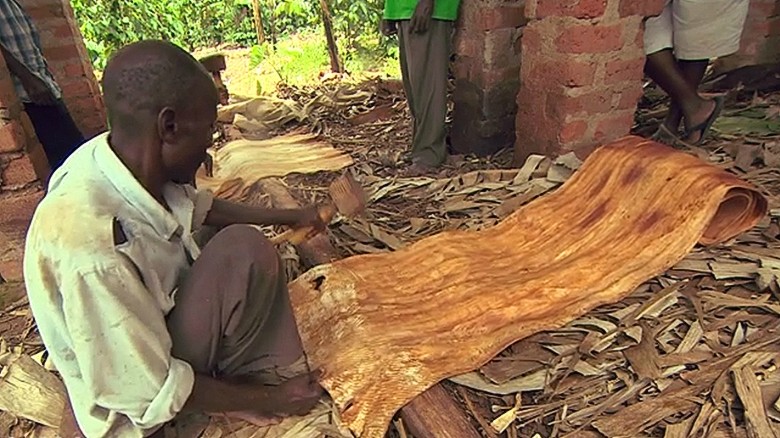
(224, 213)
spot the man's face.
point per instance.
(184, 149)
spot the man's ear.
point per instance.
(166, 125)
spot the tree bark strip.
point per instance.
(432, 414)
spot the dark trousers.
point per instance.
(424, 69)
(56, 131)
(233, 315)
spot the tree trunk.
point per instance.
(258, 14)
(333, 50)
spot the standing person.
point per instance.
(424, 29)
(35, 85)
(143, 324)
(679, 44)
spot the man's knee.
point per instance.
(248, 243)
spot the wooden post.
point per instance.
(432, 414)
(333, 50)
(258, 14)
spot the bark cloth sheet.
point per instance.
(386, 327)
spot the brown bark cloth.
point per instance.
(385, 327)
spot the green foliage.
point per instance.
(108, 25)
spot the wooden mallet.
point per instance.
(347, 198)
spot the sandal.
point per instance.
(665, 136)
(705, 126)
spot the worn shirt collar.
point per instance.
(115, 172)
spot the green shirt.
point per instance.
(403, 9)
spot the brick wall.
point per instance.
(64, 49)
(487, 75)
(581, 73)
(760, 37)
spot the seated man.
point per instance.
(679, 44)
(140, 322)
(35, 85)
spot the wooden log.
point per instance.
(432, 414)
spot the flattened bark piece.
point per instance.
(249, 161)
(385, 327)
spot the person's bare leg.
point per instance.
(663, 68)
(693, 72)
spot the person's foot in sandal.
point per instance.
(665, 135)
(697, 128)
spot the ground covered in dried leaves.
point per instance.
(693, 352)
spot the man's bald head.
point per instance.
(143, 78)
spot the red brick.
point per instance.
(40, 13)
(614, 126)
(570, 73)
(620, 71)
(575, 73)
(18, 173)
(643, 8)
(571, 8)
(7, 90)
(531, 40)
(499, 17)
(590, 39)
(572, 132)
(64, 30)
(595, 102)
(76, 88)
(497, 50)
(629, 97)
(72, 69)
(11, 137)
(495, 76)
(61, 53)
(38, 160)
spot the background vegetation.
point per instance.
(295, 42)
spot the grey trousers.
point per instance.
(424, 68)
(233, 315)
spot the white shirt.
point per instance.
(100, 307)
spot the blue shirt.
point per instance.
(19, 36)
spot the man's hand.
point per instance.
(310, 217)
(421, 19)
(388, 28)
(298, 395)
(37, 90)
